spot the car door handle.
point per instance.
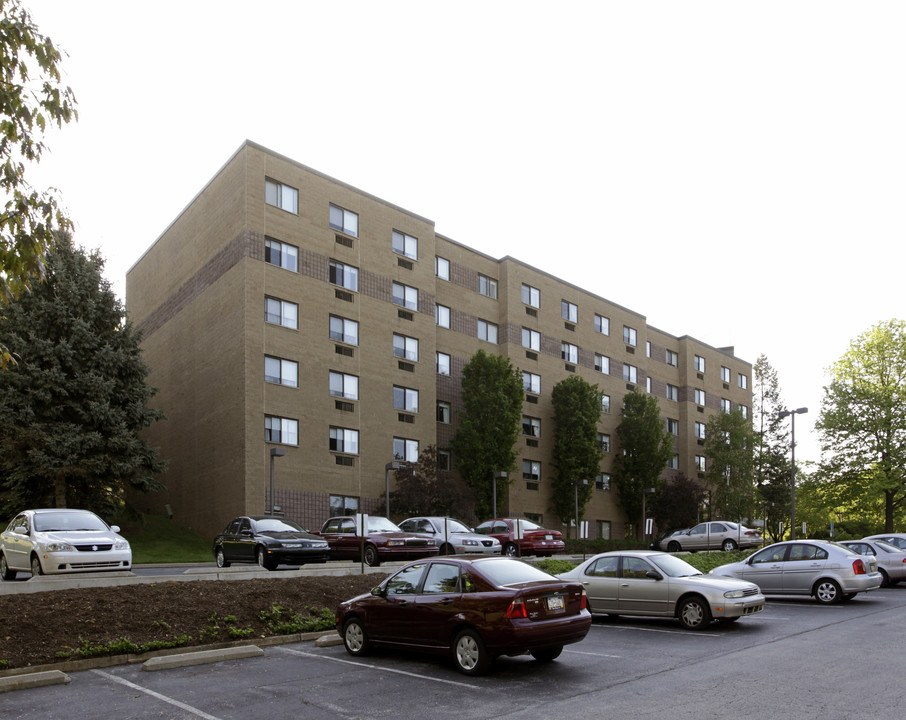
(403, 603)
(446, 601)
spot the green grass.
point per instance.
(157, 539)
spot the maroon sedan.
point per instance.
(475, 608)
(534, 540)
(383, 541)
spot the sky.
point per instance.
(734, 171)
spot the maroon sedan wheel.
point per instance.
(470, 654)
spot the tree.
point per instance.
(729, 443)
(863, 421)
(577, 454)
(32, 97)
(420, 490)
(72, 409)
(489, 425)
(676, 506)
(772, 448)
(645, 447)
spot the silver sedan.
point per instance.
(891, 559)
(657, 584)
(452, 536)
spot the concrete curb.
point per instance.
(202, 657)
(33, 680)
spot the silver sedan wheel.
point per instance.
(694, 613)
(827, 592)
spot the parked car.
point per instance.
(661, 542)
(657, 584)
(715, 535)
(891, 559)
(268, 541)
(382, 541)
(473, 608)
(535, 539)
(53, 541)
(898, 539)
(827, 570)
(452, 536)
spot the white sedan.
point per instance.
(58, 540)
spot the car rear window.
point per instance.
(504, 571)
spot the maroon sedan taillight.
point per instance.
(583, 603)
(516, 610)
(858, 567)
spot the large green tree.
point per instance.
(863, 422)
(489, 426)
(422, 490)
(72, 409)
(32, 97)
(729, 476)
(772, 449)
(677, 504)
(645, 448)
(577, 454)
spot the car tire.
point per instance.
(673, 546)
(447, 549)
(355, 639)
(728, 545)
(827, 592)
(372, 558)
(261, 557)
(511, 550)
(694, 613)
(36, 568)
(885, 578)
(470, 654)
(848, 596)
(5, 572)
(222, 562)
(547, 654)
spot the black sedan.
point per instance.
(268, 541)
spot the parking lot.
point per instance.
(796, 658)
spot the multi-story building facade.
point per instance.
(285, 311)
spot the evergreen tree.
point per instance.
(729, 443)
(772, 449)
(72, 409)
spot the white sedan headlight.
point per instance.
(121, 545)
(59, 547)
(470, 542)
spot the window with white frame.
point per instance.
(672, 392)
(344, 330)
(603, 527)
(672, 358)
(602, 482)
(442, 316)
(630, 337)
(487, 331)
(602, 324)
(742, 381)
(569, 311)
(405, 245)
(281, 196)
(281, 312)
(281, 254)
(630, 373)
(569, 352)
(699, 397)
(531, 339)
(604, 442)
(700, 430)
(405, 399)
(344, 220)
(745, 411)
(346, 276)
(443, 364)
(648, 384)
(700, 463)
(280, 371)
(487, 286)
(531, 426)
(444, 460)
(531, 383)
(405, 296)
(444, 412)
(405, 347)
(672, 426)
(673, 462)
(281, 430)
(699, 364)
(725, 405)
(724, 374)
(531, 470)
(602, 363)
(605, 404)
(343, 385)
(531, 296)
(405, 449)
(344, 440)
(441, 268)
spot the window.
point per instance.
(405, 449)
(281, 430)
(725, 405)
(602, 324)
(745, 411)
(603, 529)
(531, 296)
(442, 268)
(343, 505)
(487, 286)
(605, 404)
(443, 364)
(281, 372)
(346, 276)
(344, 220)
(487, 331)
(569, 311)
(344, 330)
(405, 296)
(344, 440)
(343, 385)
(444, 461)
(405, 347)
(672, 426)
(531, 426)
(281, 196)
(742, 381)
(442, 316)
(604, 442)
(405, 245)
(569, 352)
(699, 397)
(405, 399)
(672, 358)
(531, 339)
(629, 336)
(699, 363)
(280, 312)
(630, 373)
(281, 254)
(700, 463)
(602, 364)
(648, 349)
(648, 384)
(443, 412)
(531, 383)
(673, 462)
(700, 430)
(602, 482)
(724, 374)
(672, 392)
(531, 470)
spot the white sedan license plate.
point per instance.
(555, 602)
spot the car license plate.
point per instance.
(555, 602)
(548, 537)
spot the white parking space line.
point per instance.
(685, 633)
(360, 664)
(152, 693)
(579, 652)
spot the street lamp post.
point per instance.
(645, 493)
(499, 475)
(387, 468)
(275, 453)
(792, 414)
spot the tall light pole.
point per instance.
(387, 468)
(275, 453)
(792, 413)
(499, 475)
(645, 493)
(578, 482)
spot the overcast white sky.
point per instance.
(733, 171)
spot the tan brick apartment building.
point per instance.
(285, 309)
